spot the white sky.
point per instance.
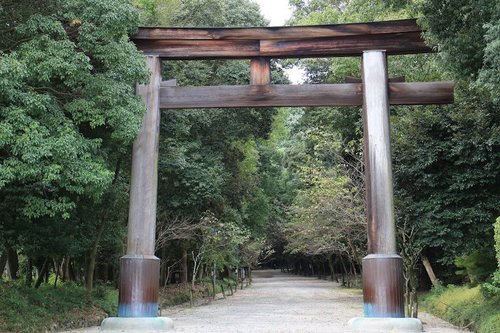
(278, 12)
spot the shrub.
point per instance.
(29, 310)
(465, 306)
(477, 266)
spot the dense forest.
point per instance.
(239, 188)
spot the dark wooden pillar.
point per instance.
(382, 268)
(140, 269)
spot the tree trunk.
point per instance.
(56, 268)
(3, 263)
(184, 268)
(345, 277)
(65, 269)
(430, 271)
(12, 262)
(214, 278)
(41, 273)
(163, 266)
(89, 279)
(332, 270)
(414, 302)
(200, 272)
(73, 273)
(29, 272)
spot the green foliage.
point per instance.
(497, 240)
(218, 13)
(463, 306)
(445, 158)
(66, 98)
(27, 310)
(492, 288)
(466, 32)
(156, 12)
(175, 295)
(477, 266)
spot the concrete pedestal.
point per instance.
(383, 325)
(136, 325)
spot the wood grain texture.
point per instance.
(421, 93)
(396, 37)
(294, 32)
(346, 94)
(377, 154)
(144, 176)
(401, 43)
(200, 49)
(260, 71)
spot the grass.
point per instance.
(29, 310)
(465, 307)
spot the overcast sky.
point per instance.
(277, 11)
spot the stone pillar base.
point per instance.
(136, 325)
(383, 325)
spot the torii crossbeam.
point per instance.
(382, 268)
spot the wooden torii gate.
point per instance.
(382, 268)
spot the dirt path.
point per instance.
(279, 302)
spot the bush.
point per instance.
(175, 295)
(477, 266)
(465, 306)
(29, 310)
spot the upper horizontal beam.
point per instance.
(346, 94)
(290, 32)
(396, 37)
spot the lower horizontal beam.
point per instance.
(346, 94)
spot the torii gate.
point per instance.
(382, 268)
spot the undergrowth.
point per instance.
(465, 307)
(29, 310)
(177, 294)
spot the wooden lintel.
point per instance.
(396, 37)
(202, 49)
(407, 43)
(346, 94)
(282, 33)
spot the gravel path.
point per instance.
(279, 302)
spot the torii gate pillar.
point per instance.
(140, 268)
(382, 268)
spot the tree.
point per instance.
(68, 114)
(466, 33)
(445, 157)
(327, 215)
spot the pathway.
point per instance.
(279, 302)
